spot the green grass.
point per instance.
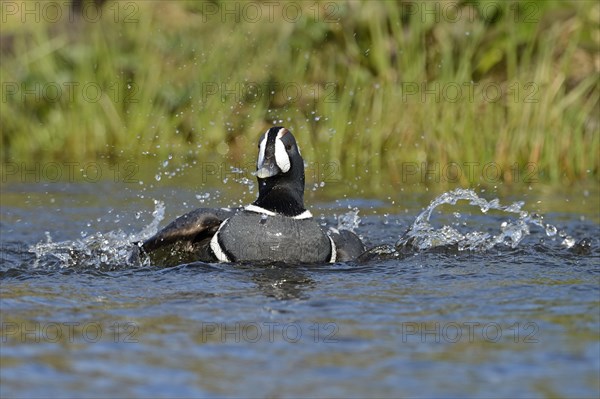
(355, 114)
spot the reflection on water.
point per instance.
(282, 282)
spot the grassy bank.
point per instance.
(379, 91)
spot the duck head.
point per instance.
(280, 173)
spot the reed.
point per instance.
(376, 91)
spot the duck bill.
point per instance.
(268, 168)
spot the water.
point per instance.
(470, 294)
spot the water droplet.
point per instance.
(568, 242)
(550, 230)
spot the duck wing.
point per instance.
(189, 228)
(347, 244)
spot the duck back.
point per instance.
(250, 236)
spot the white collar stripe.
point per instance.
(257, 209)
(304, 215)
(333, 250)
(216, 247)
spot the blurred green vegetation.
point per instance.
(377, 88)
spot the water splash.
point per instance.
(422, 235)
(99, 250)
(349, 221)
(243, 179)
(157, 216)
(114, 249)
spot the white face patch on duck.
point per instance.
(261, 151)
(281, 156)
(282, 159)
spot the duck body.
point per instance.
(252, 236)
(275, 228)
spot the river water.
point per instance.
(481, 298)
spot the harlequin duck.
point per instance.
(274, 228)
